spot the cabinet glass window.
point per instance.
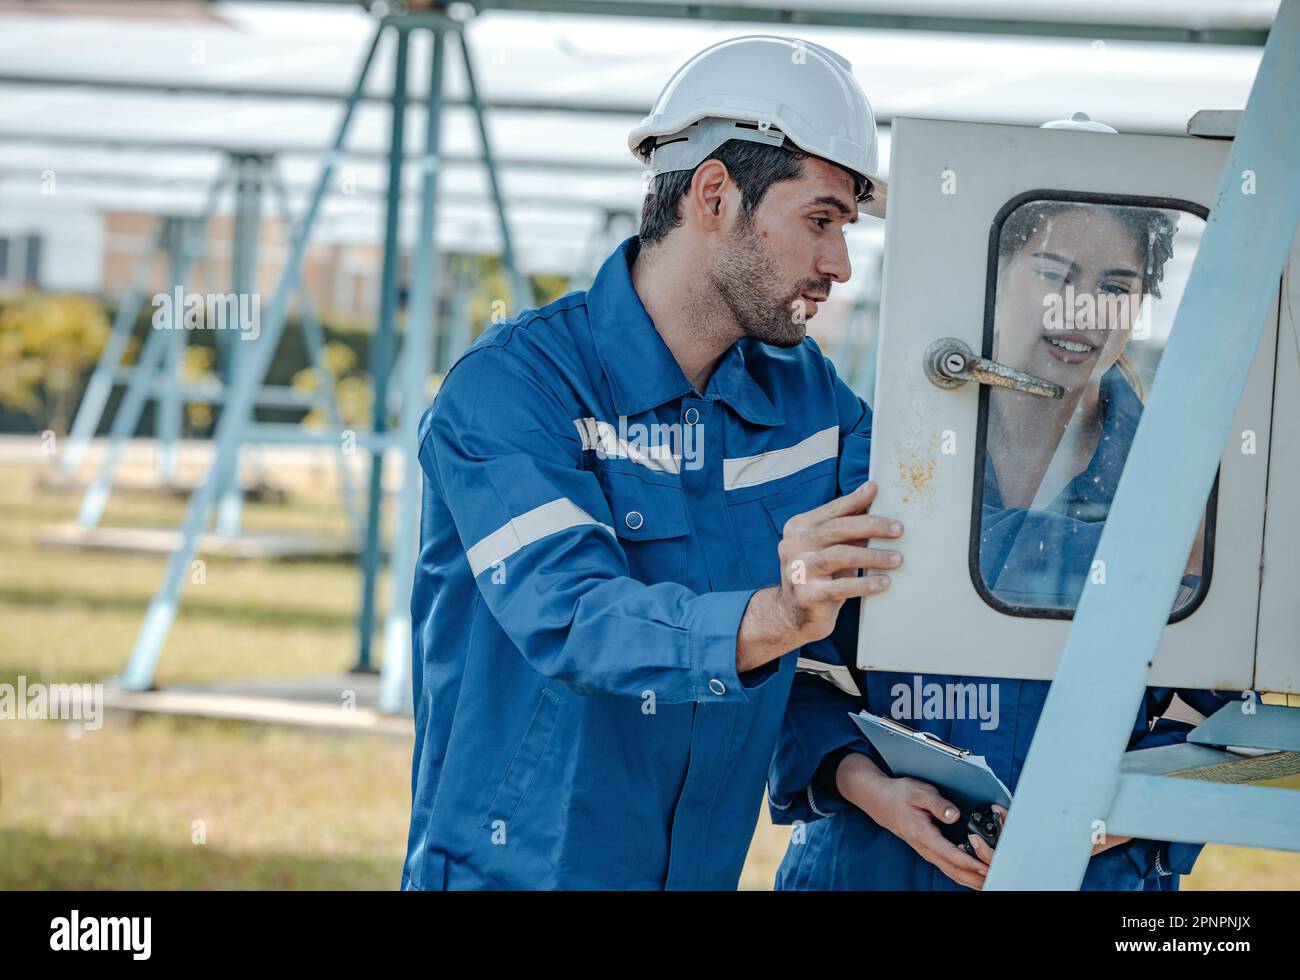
(1083, 293)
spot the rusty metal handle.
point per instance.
(950, 363)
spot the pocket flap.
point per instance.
(645, 510)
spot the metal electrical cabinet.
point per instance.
(1030, 280)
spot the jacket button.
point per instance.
(634, 519)
(717, 687)
(692, 416)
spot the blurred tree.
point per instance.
(351, 389)
(196, 368)
(46, 342)
(490, 299)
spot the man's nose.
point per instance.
(834, 263)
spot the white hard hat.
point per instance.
(763, 88)
(1080, 121)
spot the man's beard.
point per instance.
(743, 277)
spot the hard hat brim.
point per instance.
(652, 126)
(875, 205)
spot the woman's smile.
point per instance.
(1071, 347)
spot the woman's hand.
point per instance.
(905, 807)
(983, 850)
(908, 807)
(985, 853)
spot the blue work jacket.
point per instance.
(592, 531)
(1027, 557)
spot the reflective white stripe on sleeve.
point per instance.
(749, 471)
(605, 439)
(523, 530)
(836, 674)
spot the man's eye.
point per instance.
(821, 222)
(1051, 275)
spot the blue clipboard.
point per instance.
(964, 778)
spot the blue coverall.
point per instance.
(579, 719)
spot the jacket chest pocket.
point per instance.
(651, 523)
(759, 524)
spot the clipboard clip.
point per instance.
(932, 740)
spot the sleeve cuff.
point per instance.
(823, 794)
(820, 797)
(714, 634)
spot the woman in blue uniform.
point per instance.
(1073, 287)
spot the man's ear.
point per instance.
(712, 195)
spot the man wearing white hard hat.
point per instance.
(642, 500)
(772, 91)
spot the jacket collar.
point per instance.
(737, 387)
(642, 372)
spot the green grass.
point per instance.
(279, 808)
(74, 615)
(115, 808)
(164, 804)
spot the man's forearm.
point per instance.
(766, 631)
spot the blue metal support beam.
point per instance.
(214, 393)
(313, 338)
(90, 411)
(139, 671)
(251, 171)
(454, 336)
(421, 327)
(1071, 779)
(565, 168)
(1223, 26)
(381, 353)
(125, 421)
(521, 291)
(169, 407)
(237, 427)
(293, 434)
(1194, 810)
(183, 249)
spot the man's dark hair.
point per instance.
(753, 166)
